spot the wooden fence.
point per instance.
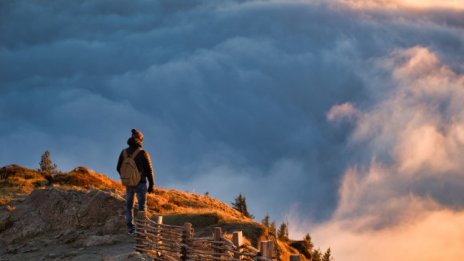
(173, 243)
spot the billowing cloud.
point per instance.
(423, 112)
(391, 207)
(340, 111)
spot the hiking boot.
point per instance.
(131, 231)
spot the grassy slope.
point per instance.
(177, 207)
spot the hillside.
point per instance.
(79, 216)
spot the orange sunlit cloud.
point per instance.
(420, 124)
(438, 235)
(422, 136)
(407, 4)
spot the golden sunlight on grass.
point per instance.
(16, 180)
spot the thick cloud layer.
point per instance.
(408, 199)
(344, 112)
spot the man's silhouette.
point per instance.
(145, 169)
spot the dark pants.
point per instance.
(141, 191)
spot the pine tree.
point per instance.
(308, 243)
(317, 255)
(273, 229)
(241, 205)
(327, 255)
(266, 221)
(46, 164)
(282, 233)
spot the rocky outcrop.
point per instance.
(67, 213)
(65, 224)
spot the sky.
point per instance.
(342, 117)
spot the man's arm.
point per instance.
(118, 168)
(148, 169)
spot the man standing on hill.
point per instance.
(134, 167)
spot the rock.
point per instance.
(133, 256)
(71, 254)
(63, 210)
(85, 257)
(101, 240)
(115, 225)
(11, 250)
(25, 224)
(46, 242)
(5, 221)
(29, 250)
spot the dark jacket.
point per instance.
(142, 160)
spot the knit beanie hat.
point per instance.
(138, 135)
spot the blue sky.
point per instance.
(295, 104)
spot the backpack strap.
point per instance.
(124, 154)
(135, 153)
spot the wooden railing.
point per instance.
(173, 243)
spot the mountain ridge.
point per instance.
(82, 212)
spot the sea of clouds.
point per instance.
(342, 117)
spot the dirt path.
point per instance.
(113, 248)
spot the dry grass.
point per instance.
(286, 251)
(4, 200)
(197, 220)
(251, 230)
(16, 180)
(85, 178)
(169, 201)
(18, 171)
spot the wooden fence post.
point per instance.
(271, 249)
(217, 236)
(186, 241)
(295, 258)
(237, 239)
(140, 223)
(267, 249)
(158, 235)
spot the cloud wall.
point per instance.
(406, 203)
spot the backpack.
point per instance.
(130, 175)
